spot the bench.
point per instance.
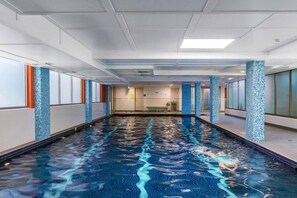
(157, 109)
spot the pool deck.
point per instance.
(279, 141)
(147, 112)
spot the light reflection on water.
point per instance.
(103, 165)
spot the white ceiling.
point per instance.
(139, 40)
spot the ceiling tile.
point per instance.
(52, 6)
(261, 40)
(281, 21)
(102, 40)
(100, 21)
(161, 21)
(222, 33)
(167, 40)
(230, 20)
(157, 5)
(256, 5)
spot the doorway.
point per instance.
(139, 99)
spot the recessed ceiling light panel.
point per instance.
(206, 43)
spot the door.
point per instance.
(139, 99)
(174, 99)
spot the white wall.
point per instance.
(123, 98)
(271, 119)
(98, 110)
(17, 127)
(66, 116)
(156, 96)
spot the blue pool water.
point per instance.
(147, 157)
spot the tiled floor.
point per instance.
(281, 141)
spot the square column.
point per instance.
(197, 99)
(88, 100)
(186, 98)
(214, 99)
(42, 103)
(255, 100)
(107, 101)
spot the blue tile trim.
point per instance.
(214, 99)
(255, 85)
(197, 99)
(186, 98)
(88, 106)
(42, 103)
(107, 105)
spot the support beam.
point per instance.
(214, 99)
(50, 34)
(186, 99)
(42, 103)
(195, 72)
(88, 100)
(255, 100)
(197, 99)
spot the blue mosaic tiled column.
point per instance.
(214, 99)
(88, 95)
(107, 105)
(197, 99)
(42, 103)
(186, 98)
(255, 100)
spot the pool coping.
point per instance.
(153, 114)
(277, 156)
(67, 132)
(15, 152)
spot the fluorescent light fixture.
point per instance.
(206, 43)
(230, 78)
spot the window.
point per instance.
(64, 89)
(230, 95)
(269, 94)
(241, 95)
(98, 92)
(12, 74)
(95, 92)
(76, 90)
(294, 93)
(206, 97)
(54, 88)
(65, 83)
(235, 95)
(282, 93)
(193, 98)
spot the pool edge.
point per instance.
(23, 149)
(277, 156)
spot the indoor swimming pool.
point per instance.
(138, 156)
